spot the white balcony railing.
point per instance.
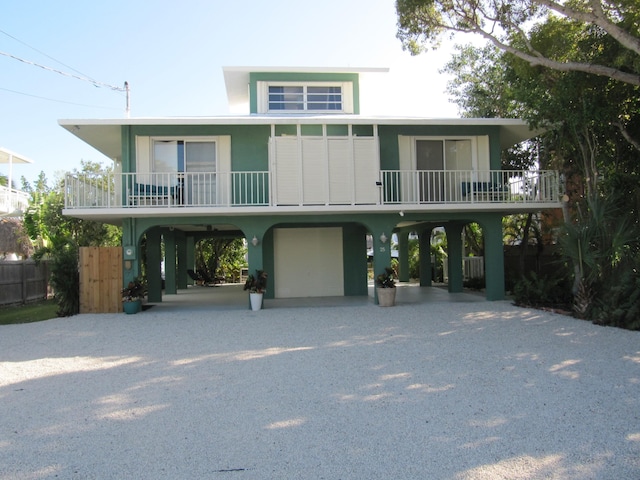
(202, 189)
(254, 189)
(467, 186)
(12, 201)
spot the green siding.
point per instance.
(388, 134)
(249, 143)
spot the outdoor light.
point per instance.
(255, 241)
(383, 238)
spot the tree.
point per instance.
(220, 257)
(44, 219)
(508, 26)
(58, 237)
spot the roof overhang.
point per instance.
(7, 156)
(105, 135)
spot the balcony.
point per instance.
(13, 202)
(508, 189)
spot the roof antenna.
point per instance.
(128, 94)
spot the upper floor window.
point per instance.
(312, 97)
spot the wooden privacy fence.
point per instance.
(23, 281)
(100, 279)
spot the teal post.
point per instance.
(354, 245)
(154, 278)
(190, 260)
(181, 247)
(131, 268)
(403, 256)
(381, 255)
(170, 263)
(454, 250)
(425, 258)
(494, 258)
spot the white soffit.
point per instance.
(7, 156)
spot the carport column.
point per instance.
(131, 268)
(403, 256)
(190, 260)
(170, 262)
(255, 232)
(154, 278)
(181, 246)
(381, 251)
(454, 252)
(493, 257)
(425, 258)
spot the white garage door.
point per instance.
(308, 262)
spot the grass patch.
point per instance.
(33, 312)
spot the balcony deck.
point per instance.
(150, 194)
(13, 202)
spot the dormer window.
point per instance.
(306, 97)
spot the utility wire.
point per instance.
(42, 53)
(71, 75)
(58, 101)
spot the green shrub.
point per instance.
(65, 279)
(539, 291)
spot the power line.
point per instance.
(54, 100)
(42, 53)
(66, 74)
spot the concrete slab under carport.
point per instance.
(229, 297)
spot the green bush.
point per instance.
(538, 291)
(65, 279)
(619, 305)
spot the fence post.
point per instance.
(24, 282)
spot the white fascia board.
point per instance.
(105, 134)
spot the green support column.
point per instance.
(403, 256)
(190, 260)
(154, 278)
(354, 245)
(130, 266)
(454, 251)
(170, 285)
(181, 246)
(494, 258)
(426, 274)
(381, 255)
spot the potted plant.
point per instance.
(256, 284)
(386, 288)
(132, 296)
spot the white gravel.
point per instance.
(425, 390)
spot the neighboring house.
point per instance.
(13, 202)
(304, 178)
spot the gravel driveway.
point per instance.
(424, 390)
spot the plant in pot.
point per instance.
(386, 288)
(132, 296)
(256, 284)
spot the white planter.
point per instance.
(256, 301)
(386, 297)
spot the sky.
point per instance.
(172, 53)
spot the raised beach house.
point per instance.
(304, 177)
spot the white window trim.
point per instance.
(263, 96)
(474, 148)
(215, 139)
